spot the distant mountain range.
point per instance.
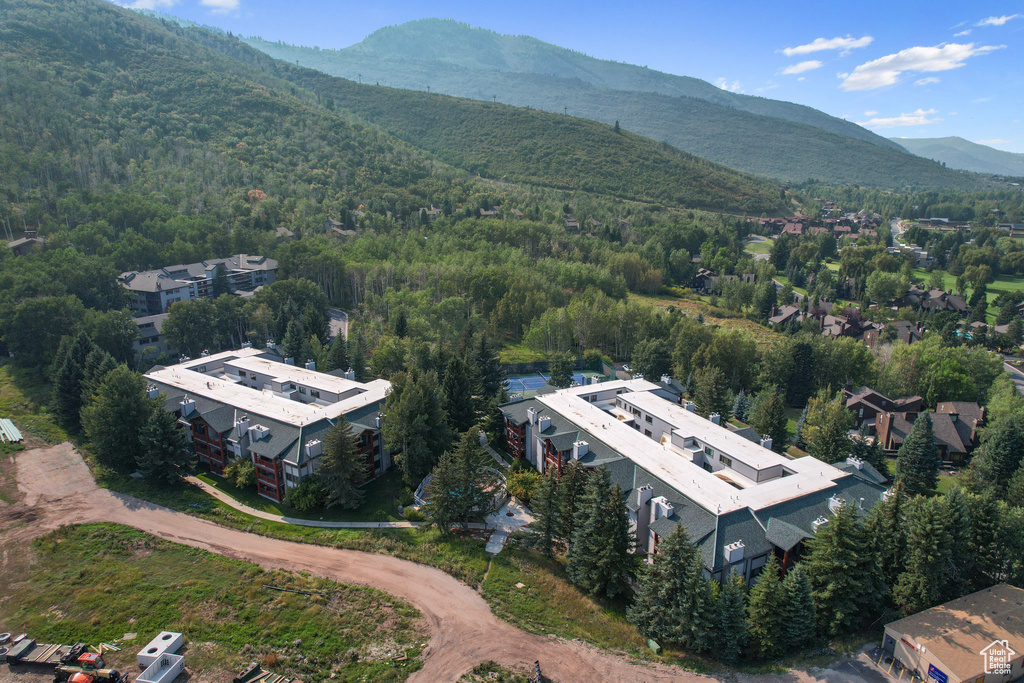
(963, 154)
(776, 139)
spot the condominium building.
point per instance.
(251, 404)
(738, 500)
(152, 292)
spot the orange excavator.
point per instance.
(86, 668)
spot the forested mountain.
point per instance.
(757, 135)
(177, 116)
(956, 152)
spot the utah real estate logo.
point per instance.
(998, 658)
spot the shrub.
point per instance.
(308, 495)
(414, 515)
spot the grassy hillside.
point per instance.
(452, 43)
(959, 153)
(756, 135)
(527, 146)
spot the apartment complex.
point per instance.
(252, 404)
(738, 500)
(152, 292)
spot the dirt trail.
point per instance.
(59, 489)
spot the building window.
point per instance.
(709, 451)
(647, 432)
(302, 390)
(648, 419)
(725, 461)
(314, 394)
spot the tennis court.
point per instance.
(524, 383)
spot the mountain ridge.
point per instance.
(956, 152)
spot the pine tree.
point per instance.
(801, 382)
(710, 391)
(457, 395)
(488, 368)
(462, 484)
(963, 554)
(357, 358)
(67, 384)
(842, 565)
(571, 483)
(673, 602)
(97, 365)
(116, 418)
(929, 547)
(165, 455)
(918, 460)
(401, 324)
(868, 450)
(561, 371)
(887, 526)
(764, 610)
(545, 505)
(337, 356)
(415, 423)
(768, 417)
(341, 471)
(598, 560)
(1000, 455)
(741, 406)
(294, 339)
(797, 615)
(730, 619)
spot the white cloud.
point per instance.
(150, 4)
(927, 81)
(871, 113)
(997, 21)
(886, 70)
(220, 6)
(726, 85)
(965, 32)
(820, 44)
(809, 65)
(916, 118)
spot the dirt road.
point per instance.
(59, 489)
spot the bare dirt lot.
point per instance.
(57, 488)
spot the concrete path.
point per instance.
(504, 524)
(242, 507)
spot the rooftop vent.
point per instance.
(834, 503)
(734, 552)
(579, 449)
(257, 432)
(314, 448)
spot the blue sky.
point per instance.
(902, 69)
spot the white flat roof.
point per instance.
(258, 402)
(295, 373)
(678, 470)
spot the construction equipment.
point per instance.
(87, 667)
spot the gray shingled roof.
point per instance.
(784, 535)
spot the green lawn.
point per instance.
(94, 583)
(24, 399)
(1000, 285)
(377, 507)
(946, 480)
(764, 247)
(463, 558)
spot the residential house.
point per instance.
(784, 315)
(935, 300)
(866, 404)
(253, 405)
(955, 430)
(739, 501)
(28, 242)
(151, 342)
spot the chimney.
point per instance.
(715, 419)
(834, 503)
(856, 462)
(271, 345)
(819, 523)
(643, 495)
(660, 507)
(766, 442)
(531, 416)
(188, 405)
(691, 406)
(378, 420)
(246, 345)
(152, 391)
(242, 425)
(311, 364)
(289, 361)
(314, 448)
(543, 422)
(665, 379)
(350, 374)
(579, 449)
(257, 432)
(734, 552)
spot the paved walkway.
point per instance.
(504, 524)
